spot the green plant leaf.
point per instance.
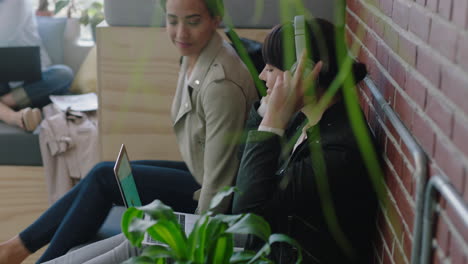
(158, 211)
(219, 197)
(84, 19)
(96, 5)
(197, 240)
(170, 233)
(265, 250)
(251, 224)
(222, 250)
(59, 5)
(215, 229)
(139, 260)
(242, 256)
(284, 238)
(228, 219)
(157, 252)
(129, 215)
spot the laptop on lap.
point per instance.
(131, 198)
(20, 64)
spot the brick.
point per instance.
(423, 134)
(399, 256)
(407, 179)
(403, 109)
(461, 229)
(394, 156)
(460, 13)
(386, 6)
(397, 71)
(351, 22)
(416, 90)
(407, 244)
(419, 22)
(387, 259)
(450, 164)
(441, 233)
(400, 13)
(382, 54)
(387, 236)
(378, 25)
(428, 66)
(396, 222)
(443, 38)
(440, 114)
(407, 50)
(455, 87)
(407, 210)
(371, 43)
(445, 9)
(354, 5)
(457, 255)
(460, 132)
(432, 5)
(462, 52)
(349, 40)
(391, 37)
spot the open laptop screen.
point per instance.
(20, 64)
(125, 181)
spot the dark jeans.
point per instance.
(56, 80)
(76, 217)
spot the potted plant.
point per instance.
(211, 240)
(89, 13)
(92, 15)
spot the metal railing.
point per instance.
(419, 158)
(436, 185)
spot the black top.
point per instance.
(284, 190)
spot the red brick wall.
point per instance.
(416, 52)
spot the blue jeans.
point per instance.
(78, 215)
(56, 80)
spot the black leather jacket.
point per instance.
(284, 189)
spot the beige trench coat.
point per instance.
(208, 117)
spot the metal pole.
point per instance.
(437, 183)
(420, 161)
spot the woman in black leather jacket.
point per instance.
(290, 186)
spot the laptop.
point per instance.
(131, 198)
(20, 64)
(128, 190)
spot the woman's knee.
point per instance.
(103, 171)
(59, 77)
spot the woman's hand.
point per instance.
(288, 95)
(263, 105)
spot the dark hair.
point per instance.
(321, 40)
(215, 7)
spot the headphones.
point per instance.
(300, 42)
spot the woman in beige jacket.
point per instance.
(214, 92)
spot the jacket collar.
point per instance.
(204, 61)
(182, 103)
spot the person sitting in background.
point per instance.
(19, 102)
(283, 184)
